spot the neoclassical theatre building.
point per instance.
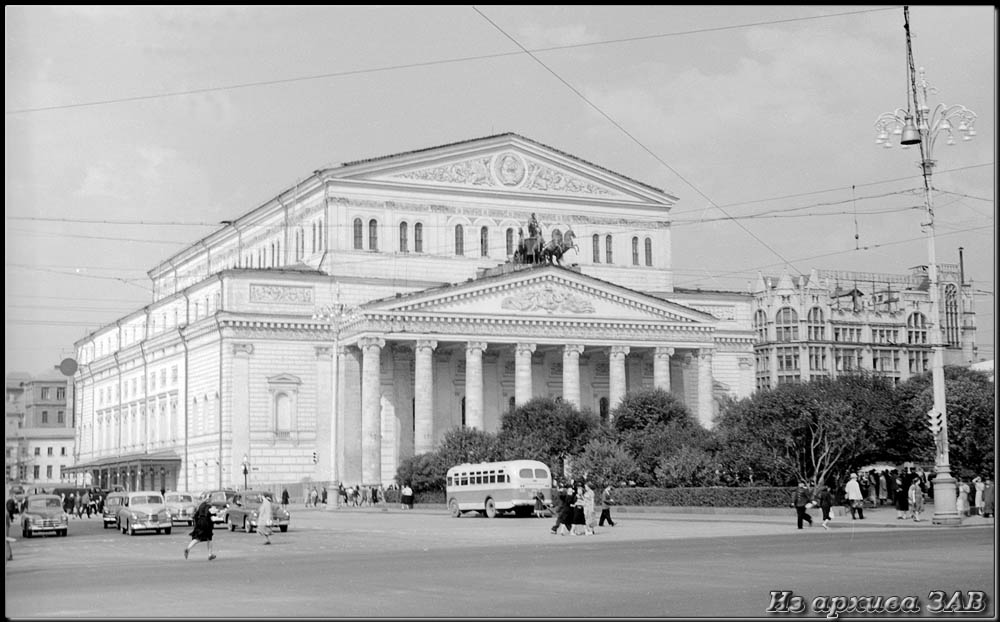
(352, 320)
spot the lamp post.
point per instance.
(246, 472)
(923, 129)
(332, 315)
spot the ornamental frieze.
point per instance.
(548, 300)
(469, 173)
(547, 179)
(282, 294)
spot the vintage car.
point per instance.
(144, 510)
(220, 500)
(112, 505)
(243, 511)
(44, 514)
(181, 506)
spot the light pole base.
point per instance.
(945, 495)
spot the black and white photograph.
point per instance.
(500, 311)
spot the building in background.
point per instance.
(837, 322)
(39, 432)
(355, 318)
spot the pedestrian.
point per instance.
(323, 496)
(406, 496)
(78, 504)
(989, 498)
(589, 515)
(962, 503)
(916, 499)
(607, 500)
(883, 491)
(825, 500)
(854, 498)
(85, 501)
(314, 497)
(980, 486)
(11, 508)
(566, 511)
(579, 513)
(539, 504)
(902, 499)
(202, 529)
(558, 499)
(284, 499)
(265, 515)
(802, 501)
(342, 493)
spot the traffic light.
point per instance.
(315, 458)
(936, 421)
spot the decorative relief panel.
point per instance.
(722, 312)
(550, 180)
(548, 299)
(281, 294)
(468, 173)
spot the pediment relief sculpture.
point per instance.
(550, 300)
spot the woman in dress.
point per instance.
(962, 503)
(202, 529)
(902, 499)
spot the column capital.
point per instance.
(523, 348)
(425, 344)
(242, 349)
(705, 353)
(472, 346)
(663, 351)
(619, 350)
(573, 349)
(369, 342)
(323, 352)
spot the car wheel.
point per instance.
(131, 529)
(63, 532)
(283, 528)
(167, 531)
(491, 509)
(246, 526)
(453, 507)
(232, 527)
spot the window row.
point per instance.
(786, 328)
(50, 451)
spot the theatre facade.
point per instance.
(355, 318)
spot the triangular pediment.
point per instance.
(507, 164)
(543, 292)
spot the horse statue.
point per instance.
(529, 249)
(558, 245)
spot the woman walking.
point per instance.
(202, 529)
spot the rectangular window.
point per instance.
(48, 472)
(60, 417)
(817, 359)
(60, 394)
(62, 451)
(45, 416)
(51, 451)
(38, 451)
(36, 470)
(45, 393)
(173, 374)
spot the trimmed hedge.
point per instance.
(713, 496)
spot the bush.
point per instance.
(713, 496)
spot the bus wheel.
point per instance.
(453, 507)
(491, 509)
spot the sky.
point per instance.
(131, 132)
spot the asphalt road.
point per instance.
(363, 563)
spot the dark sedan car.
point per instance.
(220, 500)
(243, 511)
(44, 514)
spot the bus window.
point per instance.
(464, 480)
(479, 478)
(526, 473)
(541, 474)
(493, 478)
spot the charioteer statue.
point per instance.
(533, 249)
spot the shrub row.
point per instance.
(714, 496)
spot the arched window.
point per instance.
(404, 243)
(274, 255)
(418, 237)
(484, 242)
(816, 326)
(609, 258)
(359, 232)
(459, 240)
(649, 251)
(313, 237)
(597, 248)
(760, 325)
(635, 251)
(916, 329)
(786, 325)
(277, 249)
(321, 236)
(373, 235)
(510, 241)
(952, 334)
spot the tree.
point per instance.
(971, 409)
(545, 429)
(604, 463)
(806, 431)
(689, 466)
(422, 472)
(462, 445)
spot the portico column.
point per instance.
(371, 441)
(705, 387)
(661, 368)
(616, 380)
(571, 373)
(474, 384)
(522, 372)
(423, 397)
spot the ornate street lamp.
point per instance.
(931, 124)
(246, 472)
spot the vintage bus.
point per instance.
(497, 487)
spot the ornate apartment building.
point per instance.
(353, 319)
(39, 433)
(836, 322)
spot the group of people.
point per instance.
(977, 498)
(359, 496)
(204, 526)
(574, 506)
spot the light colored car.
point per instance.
(44, 514)
(144, 510)
(243, 511)
(181, 506)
